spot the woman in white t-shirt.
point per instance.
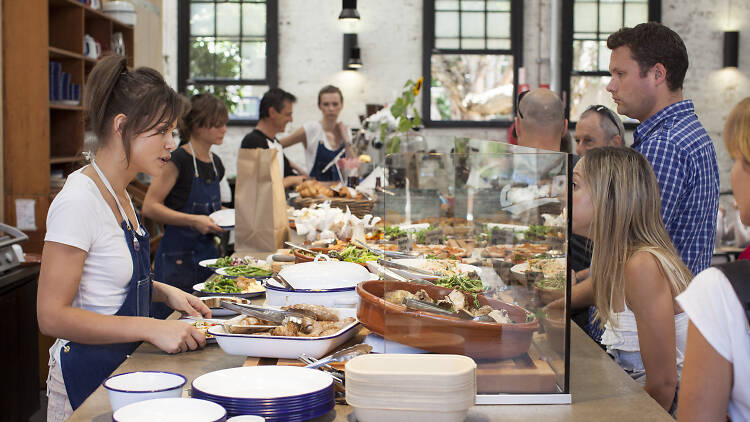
(716, 378)
(95, 285)
(325, 140)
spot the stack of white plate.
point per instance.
(411, 388)
(277, 393)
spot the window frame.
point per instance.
(567, 73)
(272, 53)
(428, 49)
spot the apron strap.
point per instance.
(112, 191)
(195, 162)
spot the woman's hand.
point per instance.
(180, 301)
(174, 336)
(204, 224)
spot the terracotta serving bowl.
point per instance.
(554, 326)
(300, 257)
(443, 334)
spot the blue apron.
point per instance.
(183, 247)
(85, 366)
(323, 156)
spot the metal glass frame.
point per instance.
(183, 50)
(429, 49)
(568, 37)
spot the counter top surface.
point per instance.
(600, 389)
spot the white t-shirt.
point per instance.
(713, 308)
(80, 217)
(314, 135)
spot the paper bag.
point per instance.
(260, 202)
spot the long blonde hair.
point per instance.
(737, 131)
(626, 220)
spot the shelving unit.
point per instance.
(43, 137)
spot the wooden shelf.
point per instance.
(58, 106)
(63, 160)
(55, 52)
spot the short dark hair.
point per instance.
(651, 43)
(274, 97)
(206, 111)
(141, 94)
(330, 89)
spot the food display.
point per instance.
(325, 222)
(316, 189)
(517, 253)
(240, 284)
(245, 271)
(229, 261)
(317, 321)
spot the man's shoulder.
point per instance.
(254, 139)
(682, 133)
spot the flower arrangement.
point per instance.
(400, 110)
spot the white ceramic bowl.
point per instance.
(276, 295)
(247, 418)
(131, 387)
(171, 410)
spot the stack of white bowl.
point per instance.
(411, 388)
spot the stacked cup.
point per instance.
(411, 388)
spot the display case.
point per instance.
(485, 235)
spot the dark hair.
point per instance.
(330, 89)
(206, 111)
(651, 43)
(274, 97)
(141, 95)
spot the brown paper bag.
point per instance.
(261, 223)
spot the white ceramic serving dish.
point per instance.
(283, 347)
(224, 218)
(247, 418)
(132, 387)
(368, 414)
(276, 295)
(171, 410)
(325, 275)
(262, 382)
(206, 262)
(463, 268)
(198, 288)
(397, 366)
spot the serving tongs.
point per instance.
(342, 355)
(399, 266)
(420, 305)
(265, 314)
(331, 254)
(389, 254)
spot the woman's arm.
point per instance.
(59, 277)
(296, 137)
(649, 296)
(706, 381)
(154, 208)
(346, 138)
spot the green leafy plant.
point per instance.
(400, 110)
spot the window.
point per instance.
(585, 62)
(472, 52)
(228, 48)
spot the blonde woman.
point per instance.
(717, 360)
(635, 270)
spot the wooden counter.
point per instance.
(600, 389)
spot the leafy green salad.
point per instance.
(221, 284)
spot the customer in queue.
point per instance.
(275, 113)
(186, 193)
(635, 270)
(715, 380)
(648, 65)
(324, 140)
(541, 122)
(597, 127)
(95, 287)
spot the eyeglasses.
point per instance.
(518, 103)
(603, 110)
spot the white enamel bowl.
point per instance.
(171, 410)
(131, 387)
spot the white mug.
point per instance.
(91, 47)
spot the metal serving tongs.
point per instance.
(398, 266)
(265, 314)
(342, 355)
(389, 254)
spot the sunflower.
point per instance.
(418, 85)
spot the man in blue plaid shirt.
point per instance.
(648, 65)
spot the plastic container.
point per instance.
(120, 10)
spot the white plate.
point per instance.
(284, 347)
(206, 262)
(191, 320)
(463, 268)
(224, 218)
(223, 271)
(262, 382)
(171, 410)
(199, 289)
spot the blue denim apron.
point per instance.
(85, 366)
(323, 156)
(183, 247)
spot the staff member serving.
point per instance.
(186, 192)
(95, 288)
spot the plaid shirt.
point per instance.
(684, 160)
